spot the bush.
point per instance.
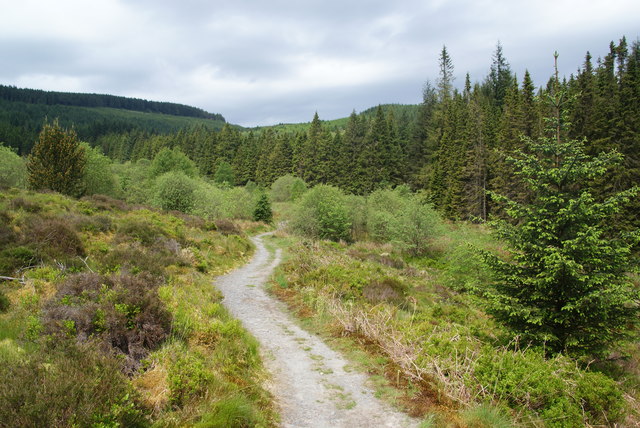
(399, 217)
(14, 258)
(172, 160)
(98, 177)
(175, 191)
(71, 385)
(322, 214)
(287, 188)
(561, 394)
(123, 313)
(13, 169)
(53, 238)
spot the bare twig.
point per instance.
(10, 278)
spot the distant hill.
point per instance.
(404, 112)
(37, 96)
(23, 111)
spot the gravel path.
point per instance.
(313, 385)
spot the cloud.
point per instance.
(256, 61)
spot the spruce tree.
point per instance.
(57, 161)
(564, 285)
(262, 211)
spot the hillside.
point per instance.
(23, 111)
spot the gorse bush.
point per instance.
(322, 214)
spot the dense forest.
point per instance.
(454, 146)
(23, 111)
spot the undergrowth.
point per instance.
(111, 318)
(454, 365)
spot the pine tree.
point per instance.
(564, 285)
(262, 211)
(57, 161)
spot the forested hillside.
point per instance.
(23, 111)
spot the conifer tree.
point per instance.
(564, 285)
(262, 211)
(57, 161)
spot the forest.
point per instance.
(476, 254)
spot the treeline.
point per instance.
(37, 96)
(20, 122)
(454, 147)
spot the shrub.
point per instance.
(398, 216)
(227, 227)
(14, 258)
(287, 188)
(98, 177)
(172, 160)
(188, 378)
(175, 191)
(560, 393)
(322, 214)
(123, 313)
(53, 238)
(4, 302)
(13, 169)
(70, 385)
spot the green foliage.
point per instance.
(98, 177)
(562, 395)
(57, 161)
(321, 213)
(172, 160)
(174, 190)
(65, 386)
(188, 379)
(287, 188)
(234, 412)
(400, 217)
(262, 211)
(224, 175)
(565, 284)
(4, 302)
(13, 169)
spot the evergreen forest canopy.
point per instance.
(454, 146)
(23, 111)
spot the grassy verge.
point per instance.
(112, 319)
(429, 347)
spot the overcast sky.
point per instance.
(271, 61)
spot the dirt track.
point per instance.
(313, 385)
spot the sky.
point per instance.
(280, 61)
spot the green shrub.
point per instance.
(14, 258)
(172, 160)
(69, 385)
(188, 378)
(400, 217)
(322, 214)
(287, 188)
(13, 169)
(175, 191)
(98, 177)
(556, 390)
